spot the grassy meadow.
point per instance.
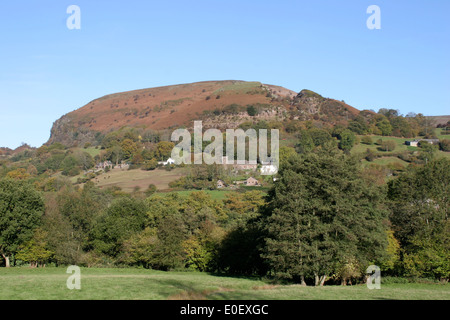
(129, 179)
(23, 283)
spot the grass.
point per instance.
(92, 151)
(440, 135)
(388, 160)
(129, 179)
(387, 157)
(239, 87)
(400, 145)
(22, 283)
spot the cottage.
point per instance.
(103, 165)
(414, 143)
(123, 166)
(221, 184)
(251, 182)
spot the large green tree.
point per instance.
(420, 209)
(123, 218)
(320, 215)
(82, 208)
(305, 142)
(21, 208)
(35, 251)
(346, 140)
(385, 127)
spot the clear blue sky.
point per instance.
(47, 70)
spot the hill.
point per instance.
(217, 103)
(4, 151)
(439, 120)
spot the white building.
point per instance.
(165, 163)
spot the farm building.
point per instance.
(221, 184)
(104, 164)
(123, 166)
(251, 182)
(415, 143)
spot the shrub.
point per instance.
(388, 145)
(150, 190)
(394, 280)
(251, 110)
(370, 155)
(150, 164)
(367, 140)
(346, 140)
(445, 145)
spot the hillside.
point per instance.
(217, 103)
(439, 120)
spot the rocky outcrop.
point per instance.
(220, 104)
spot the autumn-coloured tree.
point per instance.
(18, 174)
(35, 251)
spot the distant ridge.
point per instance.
(217, 103)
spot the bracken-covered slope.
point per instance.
(218, 103)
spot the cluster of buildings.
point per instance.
(415, 143)
(249, 182)
(266, 168)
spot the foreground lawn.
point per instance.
(140, 284)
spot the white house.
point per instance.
(414, 143)
(165, 163)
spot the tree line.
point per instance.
(324, 221)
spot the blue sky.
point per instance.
(47, 70)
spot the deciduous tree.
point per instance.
(321, 213)
(21, 208)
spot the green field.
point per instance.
(400, 145)
(22, 283)
(387, 156)
(386, 161)
(92, 151)
(129, 179)
(440, 135)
